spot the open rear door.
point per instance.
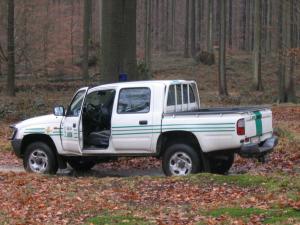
(71, 125)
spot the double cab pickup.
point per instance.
(160, 119)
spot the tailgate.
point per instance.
(259, 124)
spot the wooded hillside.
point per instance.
(71, 39)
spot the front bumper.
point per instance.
(252, 150)
(16, 144)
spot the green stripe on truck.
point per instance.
(258, 123)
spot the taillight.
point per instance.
(240, 127)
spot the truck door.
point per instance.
(71, 124)
(132, 120)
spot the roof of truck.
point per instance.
(132, 83)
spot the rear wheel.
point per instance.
(221, 164)
(181, 160)
(39, 158)
(81, 164)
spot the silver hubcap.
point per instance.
(180, 164)
(38, 161)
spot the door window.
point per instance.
(134, 100)
(75, 107)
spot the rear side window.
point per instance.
(185, 94)
(171, 96)
(134, 100)
(192, 95)
(179, 94)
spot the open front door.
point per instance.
(71, 125)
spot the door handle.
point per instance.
(74, 125)
(143, 122)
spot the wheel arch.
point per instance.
(31, 138)
(169, 138)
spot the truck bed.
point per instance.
(211, 111)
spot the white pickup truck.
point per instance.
(146, 118)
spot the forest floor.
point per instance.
(253, 193)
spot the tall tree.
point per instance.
(187, 30)
(281, 58)
(86, 37)
(230, 24)
(193, 28)
(257, 83)
(222, 51)
(10, 48)
(173, 6)
(290, 41)
(148, 32)
(210, 26)
(269, 25)
(118, 52)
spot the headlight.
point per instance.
(14, 131)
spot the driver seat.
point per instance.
(99, 139)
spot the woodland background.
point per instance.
(240, 52)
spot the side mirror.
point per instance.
(59, 111)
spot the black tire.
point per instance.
(40, 156)
(81, 164)
(221, 164)
(181, 150)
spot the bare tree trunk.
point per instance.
(186, 34)
(269, 26)
(86, 38)
(118, 52)
(10, 48)
(290, 34)
(281, 58)
(71, 34)
(210, 27)
(45, 40)
(157, 28)
(230, 24)
(173, 6)
(193, 28)
(257, 83)
(148, 41)
(200, 6)
(222, 52)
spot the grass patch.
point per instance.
(272, 216)
(117, 219)
(284, 133)
(274, 183)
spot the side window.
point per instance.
(185, 94)
(75, 107)
(171, 96)
(134, 100)
(192, 95)
(179, 94)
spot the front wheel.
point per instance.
(181, 160)
(39, 158)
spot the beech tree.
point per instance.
(118, 48)
(10, 48)
(222, 51)
(148, 32)
(86, 37)
(186, 30)
(257, 82)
